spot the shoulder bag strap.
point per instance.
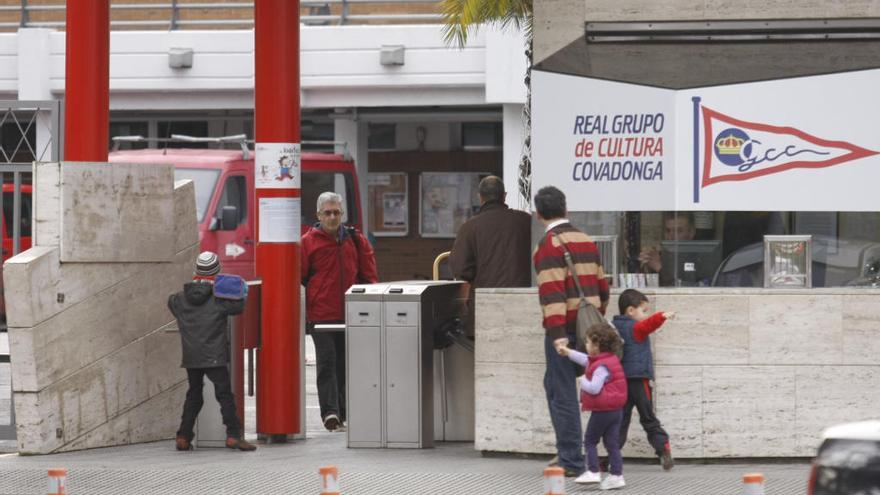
(570, 262)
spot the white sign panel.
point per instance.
(277, 166)
(801, 144)
(604, 144)
(280, 219)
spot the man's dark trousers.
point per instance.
(562, 399)
(330, 367)
(640, 395)
(219, 376)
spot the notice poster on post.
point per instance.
(277, 166)
(280, 219)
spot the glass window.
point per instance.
(25, 225)
(726, 248)
(315, 183)
(129, 129)
(481, 135)
(204, 181)
(382, 137)
(234, 194)
(194, 128)
(18, 141)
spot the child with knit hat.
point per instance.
(202, 309)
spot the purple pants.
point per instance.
(605, 426)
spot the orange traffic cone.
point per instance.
(753, 484)
(554, 481)
(57, 481)
(329, 480)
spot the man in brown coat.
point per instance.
(493, 249)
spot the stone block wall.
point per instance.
(740, 373)
(95, 353)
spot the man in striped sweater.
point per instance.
(559, 300)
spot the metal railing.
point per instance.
(178, 14)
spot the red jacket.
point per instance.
(330, 266)
(613, 394)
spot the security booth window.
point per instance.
(726, 248)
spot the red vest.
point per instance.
(613, 394)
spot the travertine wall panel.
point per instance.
(517, 405)
(184, 212)
(678, 393)
(72, 339)
(789, 329)
(117, 214)
(106, 389)
(833, 394)
(739, 372)
(510, 322)
(860, 342)
(54, 286)
(716, 334)
(748, 411)
(93, 364)
(47, 204)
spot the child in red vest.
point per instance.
(603, 393)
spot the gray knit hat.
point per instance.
(207, 264)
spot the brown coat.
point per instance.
(493, 249)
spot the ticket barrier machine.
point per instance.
(402, 393)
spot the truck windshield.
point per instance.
(204, 181)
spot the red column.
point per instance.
(277, 182)
(87, 81)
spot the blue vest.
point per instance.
(637, 360)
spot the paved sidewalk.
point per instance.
(451, 468)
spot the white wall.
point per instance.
(339, 65)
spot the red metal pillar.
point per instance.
(87, 81)
(277, 182)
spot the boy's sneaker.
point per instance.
(554, 461)
(666, 458)
(331, 422)
(612, 482)
(589, 477)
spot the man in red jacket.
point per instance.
(334, 257)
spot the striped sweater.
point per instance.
(556, 289)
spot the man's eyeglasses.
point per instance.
(331, 213)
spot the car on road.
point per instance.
(848, 461)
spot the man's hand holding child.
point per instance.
(561, 346)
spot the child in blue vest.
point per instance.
(603, 392)
(635, 326)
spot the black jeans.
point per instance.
(640, 396)
(330, 364)
(222, 391)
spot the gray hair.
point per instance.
(328, 197)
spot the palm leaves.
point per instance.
(462, 16)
